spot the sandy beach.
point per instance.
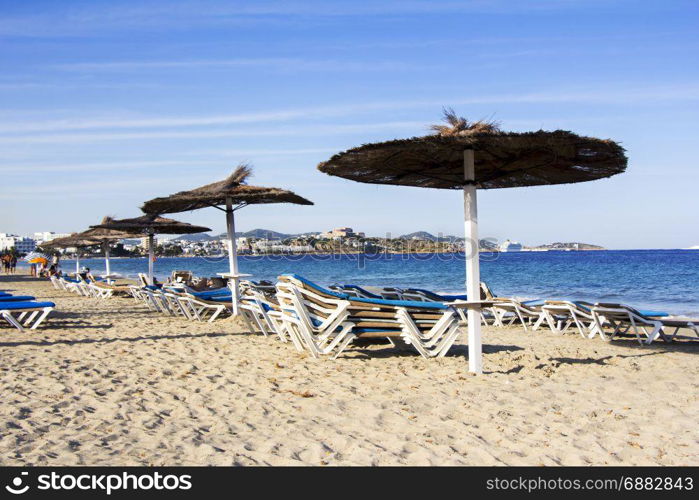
(107, 382)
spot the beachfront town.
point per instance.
(264, 242)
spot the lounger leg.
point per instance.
(12, 320)
(215, 314)
(31, 317)
(45, 313)
(248, 324)
(538, 322)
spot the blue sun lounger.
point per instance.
(25, 314)
(16, 298)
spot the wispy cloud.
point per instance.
(79, 189)
(26, 132)
(313, 130)
(285, 64)
(94, 167)
(87, 19)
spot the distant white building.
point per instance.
(20, 243)
(48, 236)
(510, 246)
(341, 232)
(144, 243)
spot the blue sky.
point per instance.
(104, 105)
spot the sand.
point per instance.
(107, 382)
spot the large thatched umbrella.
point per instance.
(478, 155)
(150, 225)
(228, 195)
(106, 237)
(75, 240)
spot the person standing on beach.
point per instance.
(32, 269)
(13, 264)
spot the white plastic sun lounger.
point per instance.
(431, 328)
(202, 310)
(260, 310)
(624, 319)
(314, 322)
(25, 314)
(560, 315)
(508, 311)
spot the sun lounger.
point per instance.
(263, 311)
(56, 282)
(16, 298)
(388, 293)
(317, 315)
(624, 319)
(25, 314)
(508, 311)
(671, 328)
(562, 314)
(205, 309)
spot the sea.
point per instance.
(666, 280)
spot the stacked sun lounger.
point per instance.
(324, 322)
(24, 311)
(180, 300)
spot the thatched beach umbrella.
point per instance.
(470, 156)
(228, 195)
(150, 225)
(75, 240)
(106, 237)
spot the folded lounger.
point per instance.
(624, 319)
(323, 320)
(388, 293)
(562, 314)
(263, 310)
(25, 314)
(677, 325)
(528, 312)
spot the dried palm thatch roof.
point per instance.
(152, 224)
(74, 240)
(502, 159)
(105, 235)
(215, 194)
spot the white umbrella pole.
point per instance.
(150, 259)
(106, 259)
(473, 275)
(232, 254)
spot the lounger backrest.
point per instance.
(294, 294)
(486, 292)
(359, 304)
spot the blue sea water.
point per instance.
(651, 279)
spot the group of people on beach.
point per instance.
(9, 263)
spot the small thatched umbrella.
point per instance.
(106, 237)
(150, 225)
(74, 240)
(468, 156)
(227, 195)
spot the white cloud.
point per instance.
(86, 19)
(314, 130)
(612, 94)
(273, 63)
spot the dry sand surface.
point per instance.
(107, 382)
